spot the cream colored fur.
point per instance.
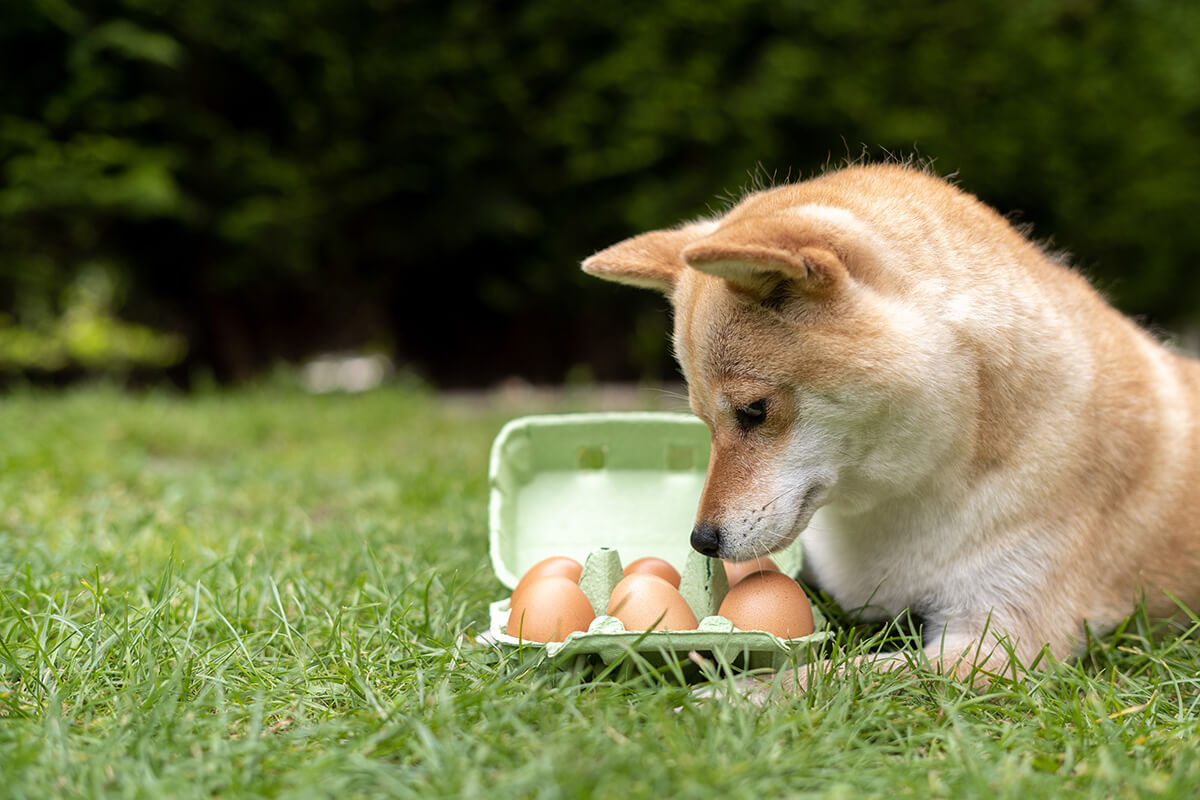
(954, 422)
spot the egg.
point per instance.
(554, 565)
(562, 566)
(654, 566)
(768, 601)
(640, 600)
(548, 609)
(736, 570)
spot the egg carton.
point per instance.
(597, 487)
(703, 587)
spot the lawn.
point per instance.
(269, 594)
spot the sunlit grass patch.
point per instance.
(272, 594)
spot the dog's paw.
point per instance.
(756, 689)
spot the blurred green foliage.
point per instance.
(86, 335)
(266, 180)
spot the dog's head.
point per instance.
(819, 382)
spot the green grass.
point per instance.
(266, 594)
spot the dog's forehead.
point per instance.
(719, 335)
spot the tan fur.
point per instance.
(955, 422)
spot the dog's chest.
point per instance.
(880, 572)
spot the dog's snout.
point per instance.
(706, 539)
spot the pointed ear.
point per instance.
(650, 260)
(756, 255)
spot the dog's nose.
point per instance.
(706, 539)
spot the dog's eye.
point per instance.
(752, 416)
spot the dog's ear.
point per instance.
(650, 260)
(756, 255)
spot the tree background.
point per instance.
(212, 188)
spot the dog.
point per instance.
(951, 419)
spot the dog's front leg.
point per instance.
(976, 658)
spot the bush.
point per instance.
(424, 178)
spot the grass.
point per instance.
(267, 594)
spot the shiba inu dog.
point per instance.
(952, 420)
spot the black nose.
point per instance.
(706, 539)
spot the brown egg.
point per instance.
(768, 601)
(554, 565)
(549, 609)
(562, 566)
(639, 601)
(654, 566)
(736, 570)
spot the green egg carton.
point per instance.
(609, 488)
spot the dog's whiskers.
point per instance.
(780, 496)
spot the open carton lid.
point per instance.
(568, 484)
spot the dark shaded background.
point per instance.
(214, 187)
